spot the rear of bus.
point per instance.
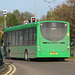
(53, 39)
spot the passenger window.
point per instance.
(13, 38)
(17, 37)
(26, 37)
(20, 37)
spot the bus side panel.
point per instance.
(19, 51)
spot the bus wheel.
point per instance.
(26, 55)
(9, 55)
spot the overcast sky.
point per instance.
(28, 5)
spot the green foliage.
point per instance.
(22, 16)
(71, 58)
(11, 20)
(1, 22)
(48, 15)
(25, 16)
(17, 14)
(43, 18)
(15, 18)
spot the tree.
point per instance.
(22, 16)
(48, 15)
(71, 4)
(65, 12)
(17, 14)
(43, 18)
(1, 22)
(11, 20)
(25, 16)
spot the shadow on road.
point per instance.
(38, 60)
(48, 60)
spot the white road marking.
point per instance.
(11, 70)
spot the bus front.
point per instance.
(53, 39)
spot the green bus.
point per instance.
(42, 39)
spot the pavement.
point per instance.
(3, 68)
(70, 59)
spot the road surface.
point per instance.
(44, 67)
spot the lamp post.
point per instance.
(34, 8)
(5, 15)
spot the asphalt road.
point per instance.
(45, 67)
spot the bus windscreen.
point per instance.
(53, 31)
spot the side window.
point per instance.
(17, 38)
(9, 38)
(20, 37)
(13, 38)
(30, 36)
(26, 37)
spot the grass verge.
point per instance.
(71, 57)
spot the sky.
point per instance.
(42, 6)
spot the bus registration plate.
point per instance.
(53, 53)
